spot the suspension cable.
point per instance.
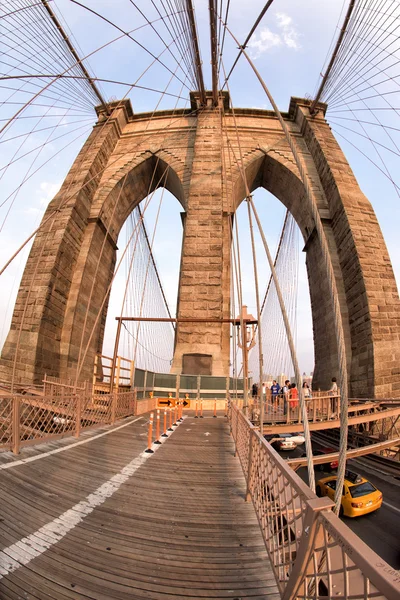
(312, 205)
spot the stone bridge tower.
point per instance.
(126, 157)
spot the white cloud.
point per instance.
(289, 34)
(266, 39)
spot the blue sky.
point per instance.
(289, 48)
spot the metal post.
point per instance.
(150, 435)
(165, 424)
(158, 427)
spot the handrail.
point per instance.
(312, 552)
(27, 419)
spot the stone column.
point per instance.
(46, 285)
(369, 285)
(204, 286)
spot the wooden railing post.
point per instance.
(78, 399)
(118, 373)
(235, 433)
(114, 399)
(132, 402)
(248, 490)
(94, 381)
(312, 537)
(16, 412)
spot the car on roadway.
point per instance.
(359, 496)
(329, 466)
(281, 441)
(297, 438)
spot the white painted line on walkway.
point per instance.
(23, 461)
(21, 553)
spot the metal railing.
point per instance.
(27, 420)
(314, 555)
(284, 409)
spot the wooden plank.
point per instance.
(149, 539)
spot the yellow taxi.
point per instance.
(359, 497)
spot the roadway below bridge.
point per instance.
(380, 529)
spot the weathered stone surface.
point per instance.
(61, 307)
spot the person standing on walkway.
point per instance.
(333, 392)
(275, 389)
(254, 391)
(293, 397)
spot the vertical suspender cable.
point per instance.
(310, 465)
(214, 56)
(260, 353)
(74, 53)
(196, 51)
(333, 57)
(312, 205)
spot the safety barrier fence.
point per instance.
(27, 420)
(162, 422)
(314, 555)
(54, 386)
(191, 386)
(103, 371)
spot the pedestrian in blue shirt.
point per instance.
(275, 389)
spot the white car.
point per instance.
(297, 438)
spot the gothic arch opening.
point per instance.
(86, 314)
(277, 174)
(65, 326)
(150, 345)
(292, 272)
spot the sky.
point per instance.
(289, 48)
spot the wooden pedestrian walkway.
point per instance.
(100, 519)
